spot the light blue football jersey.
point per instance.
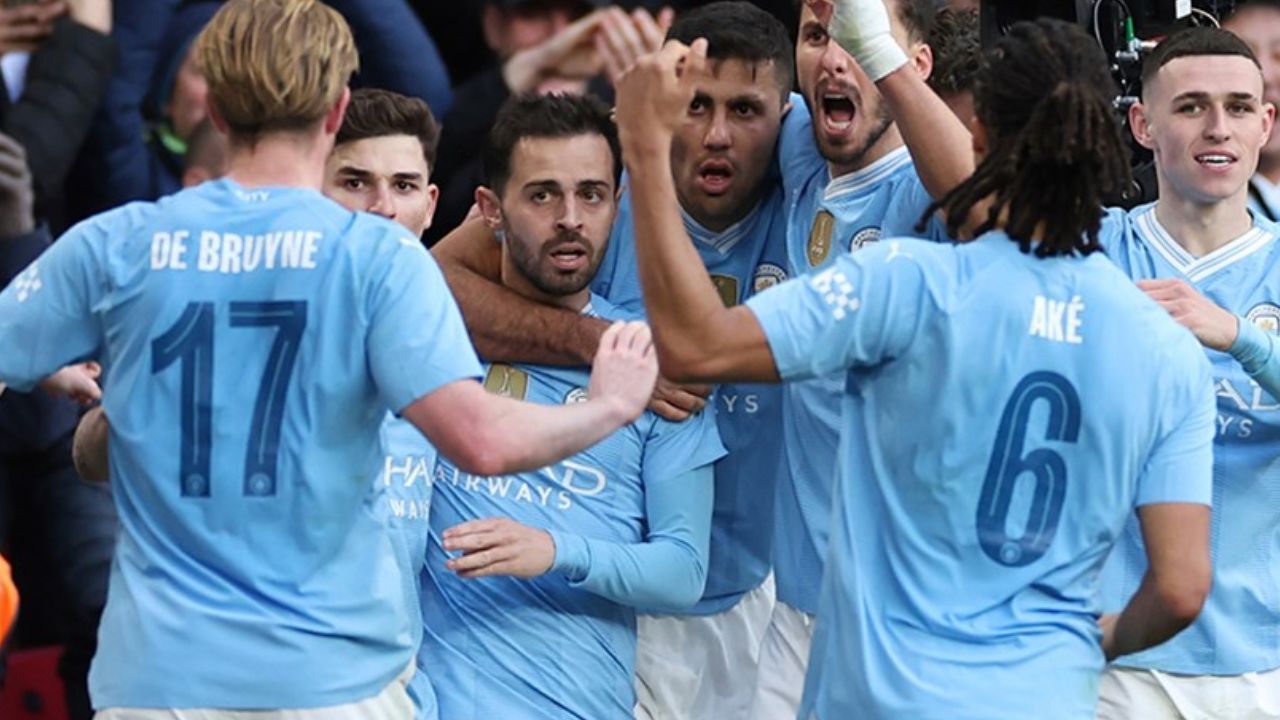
(827, 218)
(989, 460)
(550, 647)
(1264, 199)
(253, 341)
(745, 259)
(1238, 630)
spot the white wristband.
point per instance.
(862, 28)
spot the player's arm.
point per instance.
(485, 434)
(1176, 536)
(505, 326)
(1174, 492)
(698, 339)
(665, 572)
(940, 145)
(1219, 329)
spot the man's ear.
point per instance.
(490, 207)
(1140, 125)
(922, 59)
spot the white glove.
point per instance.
(861, 27)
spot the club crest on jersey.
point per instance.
(507, 381)
(824, 223)
(864, 237)
(727, 286)
(767, 275)
(575, 396)
(1265, 317)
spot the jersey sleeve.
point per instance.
(907, 213)
(1180, 467)
(863, 310)
(416, 341)
(798, 156)
(1256, 352)
(667, 571)
(47, 313)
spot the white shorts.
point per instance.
(784, 658)
(701, 667)
(1133, 694)
(392, 703)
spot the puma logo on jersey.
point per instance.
(28, 283)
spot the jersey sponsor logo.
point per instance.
(837, 292)
(28, 283)
(575, 396)
(864, 237)
(824, 224)
(507, 381)
(408, 470)
(727, 286)
(767, 275)
(564, 482)
(1265, 317)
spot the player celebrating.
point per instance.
(963, 553)
(253, 334)
(1200, 253)
(581, 543)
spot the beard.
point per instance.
(854, 156)
(534, 263)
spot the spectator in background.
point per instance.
(57, 58)
(1258, 24)
(544, 46)
(957, 53)
(157, 99)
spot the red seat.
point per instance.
(32, 689)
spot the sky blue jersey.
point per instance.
(826, 219)
(745, 259)
(989, 461)
(252, 340)
(630, 518)
(1238, 630)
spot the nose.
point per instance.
(835, 60)
(717, 136)
(570, 218)
(382, 203)
(1217, 126)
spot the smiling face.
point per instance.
(722, 151)
(386, 176)
(554, 214)
(1204, 119)
(849, 117)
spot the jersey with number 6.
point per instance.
(253, 340)
(991, 450)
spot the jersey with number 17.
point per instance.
(253, 341)
(990, 456)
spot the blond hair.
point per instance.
(275, 64)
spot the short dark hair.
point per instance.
(1195, 42)
(529, 115)
(916, 16)
(957, 51)
(737, 30)
(377, 113)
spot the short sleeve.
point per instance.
(1180, 467)
(676, 448)
(417, 342)
(47, 313)
(863, 310)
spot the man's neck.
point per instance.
(890, 141)
(720, 224)
(1201, 228)
(281, 160)
(515, 281)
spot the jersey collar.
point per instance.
(1198, 269)
(859, 180)
(724, 241)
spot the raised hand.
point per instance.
(17, 198)
(568, 55)
(863, 29)
(24, 27)
(653, 96)
(625, 368)
(623, 39)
